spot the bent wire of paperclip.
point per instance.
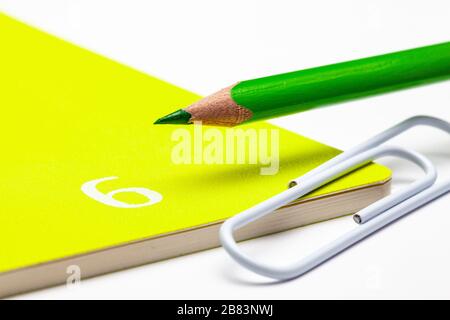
(370, 219)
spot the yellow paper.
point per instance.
(69, 116)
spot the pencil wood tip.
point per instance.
(178, 117)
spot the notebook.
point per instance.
(88, 181)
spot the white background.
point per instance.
(205, 45)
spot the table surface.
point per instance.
(205, 45)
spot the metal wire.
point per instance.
(370, 219)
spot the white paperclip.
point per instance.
(370, 219)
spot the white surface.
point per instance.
(205, 45)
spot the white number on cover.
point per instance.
(90, 189)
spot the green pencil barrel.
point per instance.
(307, 89)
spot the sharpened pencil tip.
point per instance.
(177, 117)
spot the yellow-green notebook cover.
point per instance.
(70, 116)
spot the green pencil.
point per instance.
(303, 90)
